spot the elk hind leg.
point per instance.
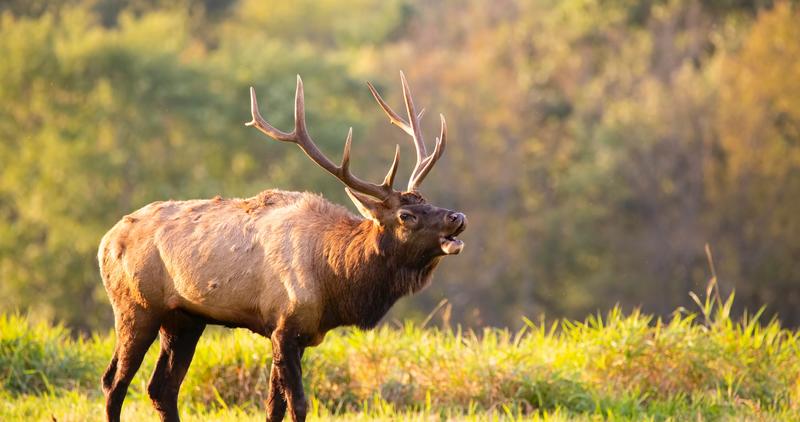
(135, 333)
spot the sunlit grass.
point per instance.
(619, 367)
(77, 407)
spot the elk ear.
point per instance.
(367, 207)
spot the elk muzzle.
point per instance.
(455, 223)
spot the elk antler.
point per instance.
(425, 162)
(301, 137)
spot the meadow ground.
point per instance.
(702, 366)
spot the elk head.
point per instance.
(413, 226)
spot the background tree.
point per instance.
(601, 144)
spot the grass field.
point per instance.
(702, 366)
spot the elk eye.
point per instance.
(407, 217)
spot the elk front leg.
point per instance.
(276, 402)
(286, 355)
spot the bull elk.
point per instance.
(287, 265)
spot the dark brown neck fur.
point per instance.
(366, 272)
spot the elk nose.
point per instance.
(455, 217)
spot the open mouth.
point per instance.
(451, 245)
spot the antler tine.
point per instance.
(394, 118)
(299, 109)
(259, 123)
(389, 179)
(301, 137)
(345, 166)
(413, 118)
(425, 167)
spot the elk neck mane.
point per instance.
(363, 269)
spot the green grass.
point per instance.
(702, 366)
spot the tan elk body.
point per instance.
(288, 265)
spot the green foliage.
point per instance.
(595, 144)
(37, 358)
